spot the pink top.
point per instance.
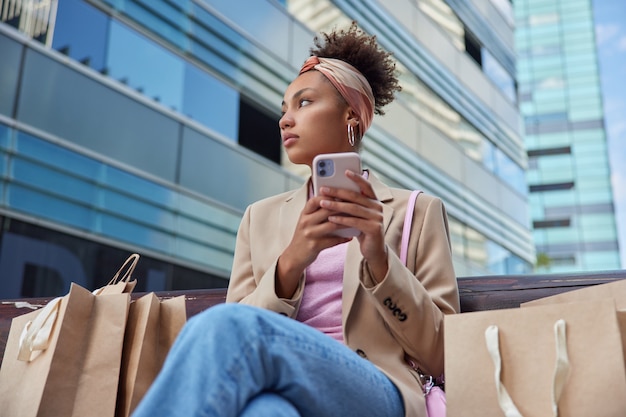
(321, 301)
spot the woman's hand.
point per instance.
(312, 235)
(364, 212)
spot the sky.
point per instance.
(610, 19)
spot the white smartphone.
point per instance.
(329, 170)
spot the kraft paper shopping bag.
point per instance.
(152, 328)
(65, 359)
(610, 291)
(528, 369)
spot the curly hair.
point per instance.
(362, 52)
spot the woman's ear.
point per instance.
(352, 118)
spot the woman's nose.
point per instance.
(285, 121)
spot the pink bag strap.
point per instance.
(406, 230)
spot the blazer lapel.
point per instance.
(353, 256)
(290, 213)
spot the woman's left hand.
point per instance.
(364, 212)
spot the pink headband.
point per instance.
(350, 83)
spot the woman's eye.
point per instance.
(304, 102)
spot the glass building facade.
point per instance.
(149, 126)
(572, 210)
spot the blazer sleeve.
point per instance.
(413, 299)
(253, 283)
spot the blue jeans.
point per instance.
(235, 360)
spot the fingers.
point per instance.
(366, 192)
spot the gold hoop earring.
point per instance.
(351, 135)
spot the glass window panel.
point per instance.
(593, 221)
(132, 59)
(595, 196)
(563, 235)
(601, 260)
(165, 27)
(559, 198)
(167, 11)
(498, 75)
(81, 33)
(5, 136)
(9, 73)
(211, 102)
(476, 249)
(53, 182)
(582, 112)
(48, 207)
(261, 19)
(506, 8)
(141, 235)
(603, 233)
(585, 183)
(127, 131)
(208, 235)
(138, 187)
(456, 237)
(510, 172)
(556, 176)
(50, 154)
(497, 258)
(242, 178)
(193, 208)
(139, 211)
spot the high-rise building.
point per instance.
(149, 126)
(569, 179)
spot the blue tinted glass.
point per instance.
(62, 158)
(97, 117)
(498, 75)
(489, 155)
(163, 20)
(497, 255)
(10, 60)
(129, 231)
(139, 211)
(53, 182)
(263, 21)
(144, 66)
(510, 172)
(5, 136)
(80, 32)
(202, 211)
(211, 102)
(48, 207)
(139, 187)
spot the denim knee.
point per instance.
(228, 317)
(271, 405)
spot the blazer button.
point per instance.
(361, 353)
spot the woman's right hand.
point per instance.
(312, 235)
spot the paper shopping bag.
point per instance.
(64, 360)
(77, 373)
(610, 291)
(529, 372)
(151, 330)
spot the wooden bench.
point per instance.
(477, 293)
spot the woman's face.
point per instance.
(314, 119)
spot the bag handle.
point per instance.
(408, 220)
(131, 262)
(561, 369)
(36, 333)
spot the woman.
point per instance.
(352, 314)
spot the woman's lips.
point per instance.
(289, 140)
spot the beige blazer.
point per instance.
(381, 322)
